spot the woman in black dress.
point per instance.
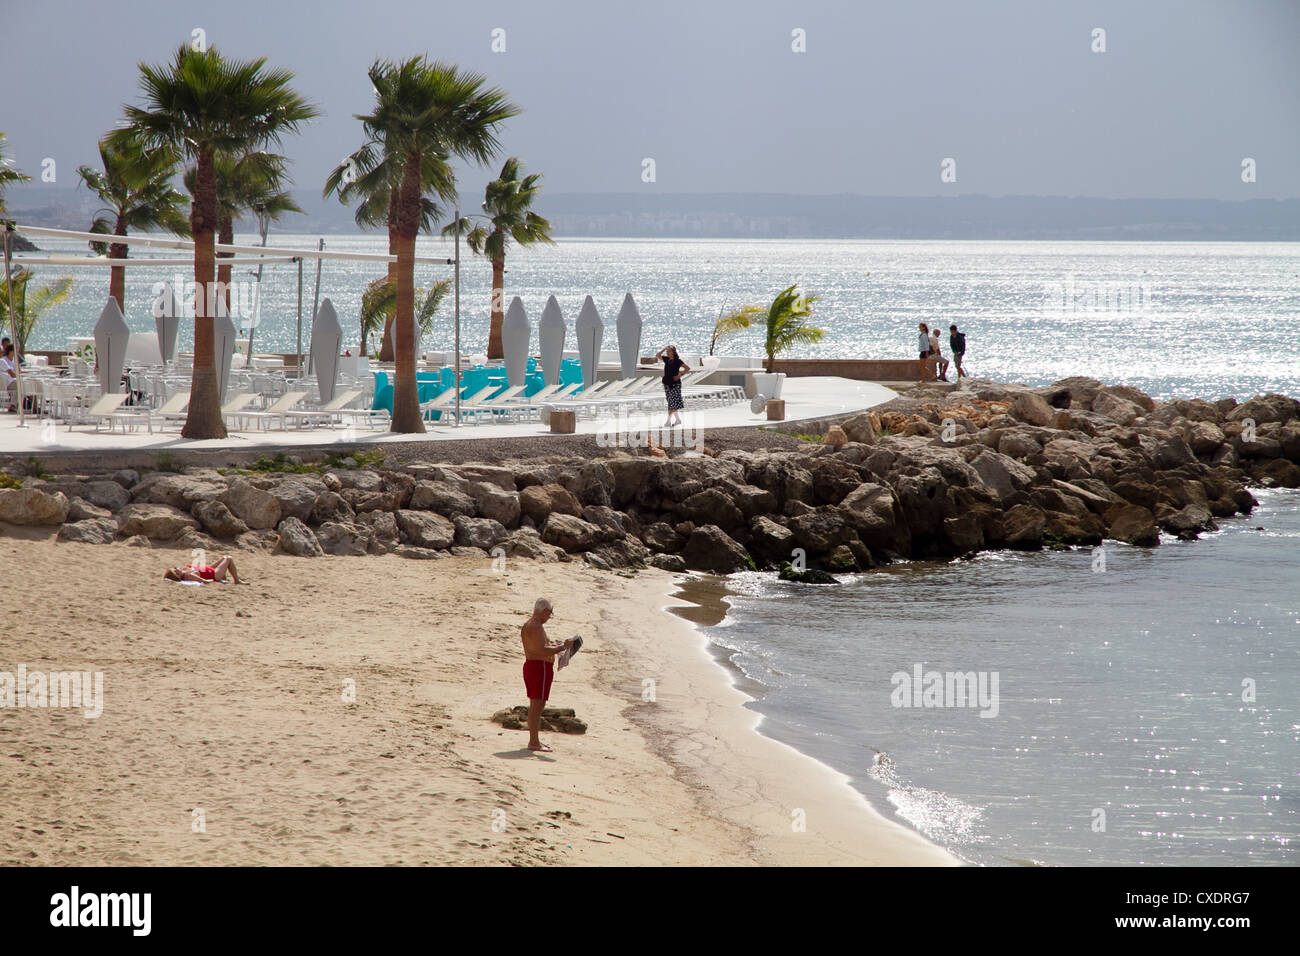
(673, 369)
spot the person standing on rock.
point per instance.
(957, 342)
(924, 341)
(673, 369)
(539, 670)
(937, 354)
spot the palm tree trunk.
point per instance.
(495, 349)
(406, 398)
(386, 343)
(204, 418)
(117, 277)
(225, 235)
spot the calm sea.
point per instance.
(1145, 713)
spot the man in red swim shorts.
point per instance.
(539, 671)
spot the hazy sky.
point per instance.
(714, 93)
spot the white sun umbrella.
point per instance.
(326, 340)
(590, 330)
(111, 335)
(550, 341)
(516, 332)
(628, 327)
(223, 346)
(167, 318)
(142, 349)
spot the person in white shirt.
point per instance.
(10, 376)
(937, 354)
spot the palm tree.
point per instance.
(379, 301)
(28, 307)
(135, 185)
(244, 183)
(424, 108)
(374, 180)
(507, 206)
(8, 172)
(203, 105)
(783, 325)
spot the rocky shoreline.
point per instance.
(933, 475)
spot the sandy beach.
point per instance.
(230, 701)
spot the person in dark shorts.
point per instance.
(957, 342)
(539, 669)
(673, 369)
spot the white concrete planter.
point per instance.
(768, 384)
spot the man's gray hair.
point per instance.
(540, 605)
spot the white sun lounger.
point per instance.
(103, 410)
(279, 410)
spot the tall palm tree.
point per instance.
(372, 180)
(203, 105)
(135, 186)
(507, 205)
(424, 108)
(8, 172)
(244, 183)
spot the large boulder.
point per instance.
(296, 496)
(382, 526)
(503, 478)
(783, 476)
(442, 497)
(1130, 394)
(32, 506)
(297, 539)
(769, 542)
(1204, 438)
(860, 429)
(361, 479)
(540, 501)
(1031, 409)
(425, 529)
(1132, 523)
(571, 533)
(821, 531)
(89, 531)
(179, 491)
(663, 537)
(591, 482)
(1002, 475)
(709, 548)
(1118, 410)
(79, 509)
(482, 533)
(1188, 522)
(330, 506)
(630, 474)
(1082, 390)
(495, 502)
(256, 508)
(1018, 444)
(159, 522)
(711, 506)
(527, 543)
(337, 537)
(872, 511)
(218, 520)
(1023, 527)
(1266, 408)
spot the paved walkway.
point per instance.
(805, 398)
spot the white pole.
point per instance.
(298, 369)
(13, 322)
(457, 283)
(315, 304)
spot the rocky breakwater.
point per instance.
(928, 476)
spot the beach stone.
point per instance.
(667, 562)
(503, 478)
(965, 532)
(625, 551)
(769, 542)
(591, 482)
(835, 437)
(833, 479)
(871, 510)
(1023, 527)
(1278, 472)
(298, 540)
(331, 482)
(361, 501)
(1031, 409)
(161, 522)
(539, 501)
(493, 502)
(1131, 523)
(1018, 444)
(399, 486)
(527, 543)
(262, 540)
(218, 520)
(192, 540)
(1081, 388)
(1172, 452)
(595, 560)
(79, 509)
(529, 473)
(330, 506)
(443, 498)
(711, 505)
(425, 529)
(1262, 409)
(570, 533)
(630, 475)
(256, 508)
(709, 548)
(137, 541)
(806, 576)
(784, 478)
(382, 526)
(480, 533)
(1130, 394)
(1288, 436)
(1188, 522)
(1118, 410)
(361, 479)
(336, 537)
(89, 531)
(1000, 474)
(128, 478)
(663, 537)
(615, 524)
(561, 720)
(821, 531)
(860, 429)
(179, 491)
(418, 554)
(1204, 438)
(750, 499)
(297, 497)
(469, 551)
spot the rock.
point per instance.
(1118, 410)
(527, 543)
(1000, 474)
(361, 501)
(591, 482)
(842, 560)
(663, 537)
(835, 436)
(137, 541)
(384, 533)
(571, 534)
(479, 532)
(297, 539)
(561, 720)
(330, 506)
(821, 531)
(495, 503)
(179, 491)
(783, 477)
(1131, 523)
(1172, 452)
(331, 482)
(769, 542)
(89, 531)
(337, 537)
(871, 510)
(859, 429)
(418, 554)
(1081, 388)
(503, 478)
(667, 562)
(808, 576)
(218, 520)
(424, 529)
(710, 549)
(1278, 472)
(1017, 444)
(1288, 436)
(614, 523)
(1189, 522)
(127, 478)
(192, 540)
(1129, 394)
(443, 498)
(161, 522)
(1204, 438)
(623, 552)
(1023, 528)
(79, 509)
(630, 475)
(539, 501)
(965, 532)
(256, 508)
(1266, 408)
(832, 480)
(32, 507)
(467, 551)
(712, 505)
(361, 479)
(297, 497)
(1031, 409)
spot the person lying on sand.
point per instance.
(202, 573)
(539, 672)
